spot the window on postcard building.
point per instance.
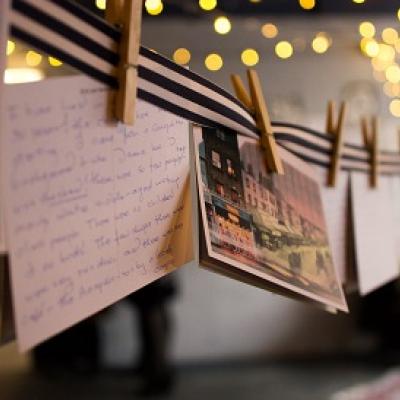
(229, 167)
(219, 188)
(216, 159)
(220, 135)
(235, 195)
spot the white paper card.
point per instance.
(374, 232)
(93, 211)
(394, 183)
(335, 203)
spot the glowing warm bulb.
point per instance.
(386, 53)
(101, 4)
(320, 44)
(214, 62)
(250, 57)
(222, 25)
(378, 64)
(54, 62)
(10, 47)
(395, 107)
(367, 29)
(32, 58)
(371, 48)
(284, 49)
(152, 4)
(391, 89)
(154, 7)
(307, 4)
(182, 56)
(358, 1)
(208, 5)
(269, 31)
(392, 73)
(390, 35)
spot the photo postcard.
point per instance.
(259, 227)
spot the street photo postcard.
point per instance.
(263, 229)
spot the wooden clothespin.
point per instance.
(256, 105)
(370, 138)
(128, 15)
(335, 129)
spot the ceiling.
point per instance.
(190, 8)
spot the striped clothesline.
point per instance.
(87, 42)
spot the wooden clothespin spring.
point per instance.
(256, 105)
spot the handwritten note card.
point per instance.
(374, 232)
(93, 211)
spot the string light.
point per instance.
(32, 58)
(284, 49)
(54, 62)
(10, 47)
(367, 29)
(378, 64)
(222, 25)
(207, 5)
(250, 57)
(390, 35)
(101, 4)
(370, 47)
(391, 89)
(320, 43)
(307, 4)
(386, 53)
(154, 7)
(392, 73)
(269, 31)
(395, 107)
(182, 56)
(214, 62)
(396, 89)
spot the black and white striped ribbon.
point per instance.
(73, 34)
